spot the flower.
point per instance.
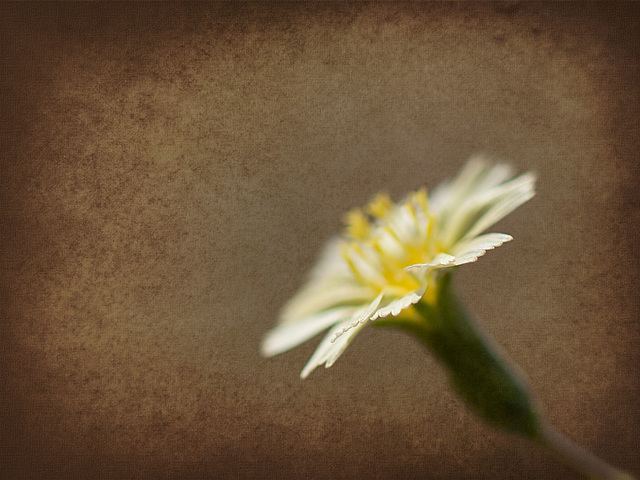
(391, 256)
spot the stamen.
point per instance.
(380, 205)
(357, 224)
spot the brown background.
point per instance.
(169, 173)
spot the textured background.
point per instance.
(169, 173)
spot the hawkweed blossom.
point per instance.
(391, 266)
(391, 256)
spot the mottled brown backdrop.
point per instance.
(169, 172)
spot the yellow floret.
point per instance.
(380, 205)
(357, 224)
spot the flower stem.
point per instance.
(489, 384)
(576, 457)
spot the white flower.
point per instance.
(391, 255)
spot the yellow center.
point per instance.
(384, 238)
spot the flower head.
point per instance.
(391, 255)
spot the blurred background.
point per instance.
(170, 172)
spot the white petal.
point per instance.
(389, 244)
(470, 250)
(447, 194)
(331, 263)
(365, 262)
(439, 261)
(503, 208)
(317, 296)
(464, 252)
(476, 176)
(335, 342)
(403, 223)
(396, 306)
(286, 336)
(361, 316)
(340, 344)
(330, 348)
(480, 211)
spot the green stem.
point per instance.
(488, 383)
